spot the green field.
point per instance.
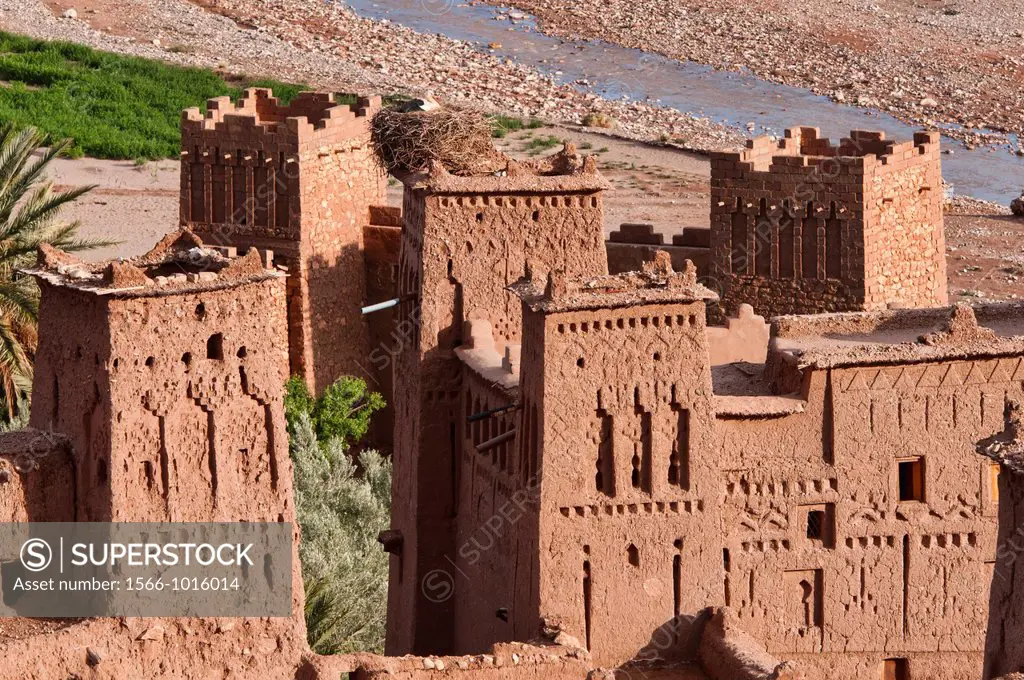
(112, 106)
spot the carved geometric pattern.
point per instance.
(212, 383)
(161, 400)
(260, 381)
(982, 372)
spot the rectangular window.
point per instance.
(820, 523)
(896, 669)
(911, 480)
(993, 482)
(815, 524)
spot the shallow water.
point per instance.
(734, 98)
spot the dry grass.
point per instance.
(459, 140)
(598, 120)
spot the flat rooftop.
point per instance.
(180, 263)
(900, 336)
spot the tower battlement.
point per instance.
(805, 147)
(802, 226)
(259, 116)
(299, 179)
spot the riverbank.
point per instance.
(938, 62)
(329, 46)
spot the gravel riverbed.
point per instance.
(926, 62)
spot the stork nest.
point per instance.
(459, 140)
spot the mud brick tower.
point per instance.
(617, 426)
(297, 180)
(464, 240)
(1004, 649)
(166, 375)
(800, 226)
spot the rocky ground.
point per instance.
(924, 61)
(328, 46)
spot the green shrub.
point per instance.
(505, 124)
(343, 411)
(341, 509)
(113, 106)
(535, 146)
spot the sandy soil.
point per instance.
(133, 204)
(922, 60)
(137, 205)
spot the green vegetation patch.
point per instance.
(113, 106)
(506, 124)
(539, 144)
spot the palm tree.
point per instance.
(29, 216)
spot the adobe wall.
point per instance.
(298, 180)
(243, 649)
(903, 198)
(464, 240)
(165, 376)
(631, 245)
(248, 649)
(886, 579)
(743, 338)
(629, 549)
(494, 561)
(801, 226)
(37, 481)
(163, 430)
(382, 241)
(1004, 644)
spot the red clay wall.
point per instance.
(803, 227)
(903, 217)
(631, 245)
(496, 539)
(162, 428)
(298, 180)
(37, 481)
(1005, 641)
(464, 241)
(621, 424)
(889, 579)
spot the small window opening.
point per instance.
(816, 524)
(215, 347)
(911, 473)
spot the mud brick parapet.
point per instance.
(300, 180)
(631, 245)
(800, 225)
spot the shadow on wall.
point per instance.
(677, 640)
(335, 293)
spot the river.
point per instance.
(729, 97)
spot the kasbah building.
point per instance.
(608, 464)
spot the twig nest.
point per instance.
(460, 141)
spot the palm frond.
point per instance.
(29, 217)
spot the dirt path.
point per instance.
(924, 61)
